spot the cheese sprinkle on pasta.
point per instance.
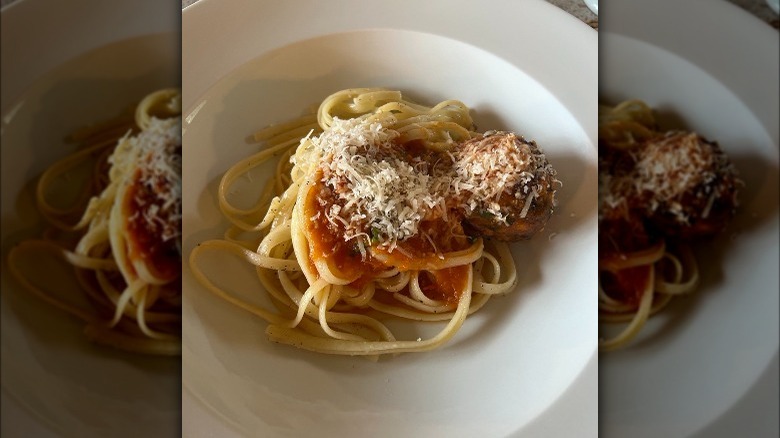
(384, 193)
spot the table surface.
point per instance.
(759, 8)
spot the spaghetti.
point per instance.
(658, 192)
(378, 210)
(123, 232)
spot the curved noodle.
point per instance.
(126, 224)
(644, 257)
(332, 294)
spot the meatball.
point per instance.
(686, 184)
(506, 186)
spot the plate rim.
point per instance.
(194, 94)
(21, 73)
(735, 28)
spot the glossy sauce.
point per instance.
(145, 241)
(447, 283)
(626, 285)
(618, 238)
(416, 253)
(327, 242)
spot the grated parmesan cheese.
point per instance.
(158, 160)
(680, 174)
(497, 164)
(670, 167)
(383, 192)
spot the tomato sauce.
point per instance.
(627, 285)
(145, 239)
(326, 241)
(446, 284)
(619, 238)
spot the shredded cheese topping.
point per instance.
(383, 193)
(497, 164)
(665, 171)
(157, 158)
(671, 167)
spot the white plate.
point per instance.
(54, 80)
(707, 366)
(525, 363)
